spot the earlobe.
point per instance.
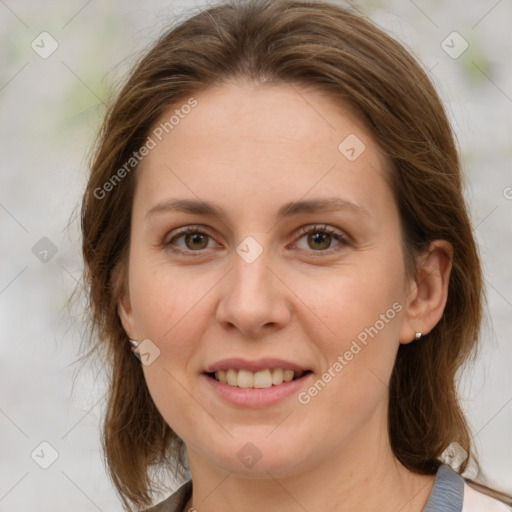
(429, 292)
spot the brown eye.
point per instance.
(320, 238)
(189, 240)
(196, 241)
(319, 241)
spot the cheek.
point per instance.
(165, 297)
(360, 308)
(357, 360)
(169, 308)
(354, 298)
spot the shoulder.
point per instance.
(176, 501)
(475, 501)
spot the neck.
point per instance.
(358, 477)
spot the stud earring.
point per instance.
(134, 344)
(418, 336)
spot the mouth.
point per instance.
(262, 379)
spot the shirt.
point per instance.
(450, 493)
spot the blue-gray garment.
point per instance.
(447, 494)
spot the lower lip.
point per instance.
(261, 397)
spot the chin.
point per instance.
(257, 456)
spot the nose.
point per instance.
(254, 299)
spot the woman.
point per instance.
(303, 355)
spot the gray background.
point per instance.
(50, 111)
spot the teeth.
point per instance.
(277, 376)
(231, 377)
(288, 375)
(245, 379)
(260, 380)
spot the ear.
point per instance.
(428, 291)
(125, 312)
(124, 308)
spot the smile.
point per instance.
(260, 380)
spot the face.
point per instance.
(296, 266)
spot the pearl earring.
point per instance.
(418, 336)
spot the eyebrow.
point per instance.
(293, 208)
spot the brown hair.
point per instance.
(343, 54)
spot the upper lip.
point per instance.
(254, 365)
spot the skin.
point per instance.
(250, 149)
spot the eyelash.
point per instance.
(324, 229)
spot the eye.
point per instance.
(319, 238)
(194, 240)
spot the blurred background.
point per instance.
(60, 62)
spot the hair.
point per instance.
(342, 53)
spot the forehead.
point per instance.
(245, 144)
